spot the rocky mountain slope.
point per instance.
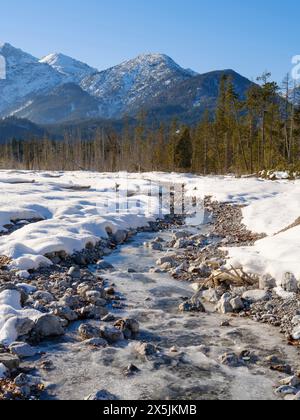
(59, 89)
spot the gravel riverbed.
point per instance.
(154, 314)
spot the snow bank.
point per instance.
(274, 255)
(269, 207)
(72, 219)
(10, 312)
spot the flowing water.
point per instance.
(193, 372)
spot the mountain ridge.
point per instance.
(58, 88)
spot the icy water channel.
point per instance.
(193, 372)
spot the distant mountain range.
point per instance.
(61, 90)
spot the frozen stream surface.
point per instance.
(194, 372)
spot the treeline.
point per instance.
(262, 131)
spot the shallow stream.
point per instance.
(193, 372)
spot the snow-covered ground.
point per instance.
(73, 218)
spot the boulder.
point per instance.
(48, 326)
(257, 295)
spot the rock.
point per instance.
(87, 332)
(72, 301)
(231, 359)
(237, 304)
(297, 397)
(96, 342)
(44, 296)
(296, 320)
(224, 305)
(66, 313)
(155, 246)
(110, 291)
(225, 324)
(22, 350)
(74, 272)
(109, 318)
(296, 333)
(210, 295)
(10, 361)
(101, 396)
(180, 269)
(3, 371)
(289, 283)
(129, 327)
(112, 335)
(27, 380)
(94, 297)
(131, 370)
(197, 304)
(120, 236)
(159, 240)
(104, 266)
(293, 381)
(193, 305)
(24, 326)
(168, 259)
(267, 282)
(286, 390)
(145, 349)
(92, 312)
(255, 296)
(182, 244)
(181, 235)
(48, 326)
(167, 266)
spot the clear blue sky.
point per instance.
(249, 36)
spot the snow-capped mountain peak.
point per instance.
(69, 67)
(16, 55)
(127, 87)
